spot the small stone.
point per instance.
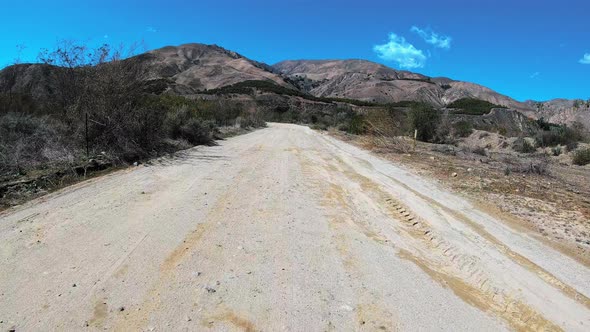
(470, 169)
(188, 319)
(74, 285)
(210, 290)
(122, 309)
(346, 307)
(454, 175)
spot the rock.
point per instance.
(470, 169)
(454, 174)
(135, 164)
(74, 285)
(346, 307)
(210, 290)
(122, 309)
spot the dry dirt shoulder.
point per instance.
(553, 207)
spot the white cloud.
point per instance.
(535, 74)
(105, 36)
(400, 51)
(433, 38)
(151, 29)
(585, 60)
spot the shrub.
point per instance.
(544, 125)
(386, 122)
(472, 106)
(131, 132)
(319, 126)
(250, 86)
(556, 150)
(28, 141)
(536, 165)
(559, 135)
(523, 146)
(252, 121)
(462, 129)
(356, 124)
(480, 151)
(581, 157)
(424, 119)
(184, 124)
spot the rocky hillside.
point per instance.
(193, 68)
(199, 67)
(562, 111)
(184, 69)
(369, 81)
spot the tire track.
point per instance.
(445, 262)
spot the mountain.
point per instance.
(191, 69)
(369, 81)
(562, 110)
(185, 69)
(202, 67)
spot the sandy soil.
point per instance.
(553, 206)
(280, 229)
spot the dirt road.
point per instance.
(280, 229)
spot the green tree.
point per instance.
(425, 119)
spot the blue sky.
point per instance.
(525, 49)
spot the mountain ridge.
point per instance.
(193, 68)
